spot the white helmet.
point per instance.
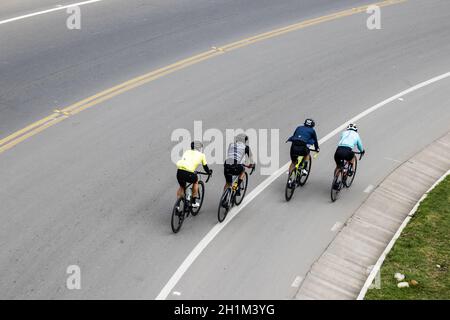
(353, 127)
(196, 145)
(242, 137)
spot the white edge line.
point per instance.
(338, 225)
(48, 11)
(389, 247)
(263, 185)
(297, 282)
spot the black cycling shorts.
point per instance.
(299, 150)
(343, 154)
(231, 170)
(184, 177)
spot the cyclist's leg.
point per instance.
(340, 161)
(307, 157)
(241, 174)
(228, 176)
(292, 166)
(294, 158)
(195, 186)
(352, 161)
(241, 170)
(180, 192)
(181, 182)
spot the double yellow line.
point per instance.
(60, 115)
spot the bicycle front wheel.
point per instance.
(201, 195)
(290, 185)
(243, 189)
(224, 205)
(178, 215)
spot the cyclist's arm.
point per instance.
(205, 164)
(360, 145)
(291, 138)
(316, 141)
(249, 154)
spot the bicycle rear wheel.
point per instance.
(201, 195)
(349, 180)
(336, 187)
(178, 215)
(243, 189)
(224, 205)
(290, 185)
(304, 178)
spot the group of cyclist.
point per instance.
(239, 151)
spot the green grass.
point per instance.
(423, 244)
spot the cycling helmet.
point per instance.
(242, 137)
(310, 123)
(196, 145)
(353, 127)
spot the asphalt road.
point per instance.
(96, 190)
(45, 66)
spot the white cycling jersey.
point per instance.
(236, 153)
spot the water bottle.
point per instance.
(188, 194)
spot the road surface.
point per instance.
(96, 190)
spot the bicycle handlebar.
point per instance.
(253, 168)
(361, 154)
(204, 174)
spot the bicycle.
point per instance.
(230, 198)
(297, 177)
(341, 178)
(183, 206)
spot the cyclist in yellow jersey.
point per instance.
(186, 170)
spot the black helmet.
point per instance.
(196, 145)
(310, 123)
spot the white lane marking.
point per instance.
(297, 282)
(393, 160)
(337, 226)
(57, 8)
(369, 189)
(263, 185)
(401, 99)
(176, 293)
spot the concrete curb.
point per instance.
(360, 247)
(380, 261)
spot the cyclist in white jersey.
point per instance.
(238, 153)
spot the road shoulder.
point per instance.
(342, 270)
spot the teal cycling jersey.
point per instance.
(351, 139)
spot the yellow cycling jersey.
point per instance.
(191, 160)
